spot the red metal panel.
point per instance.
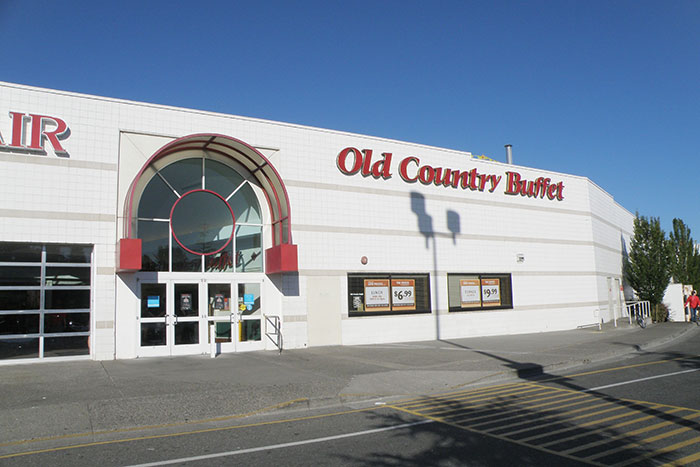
(129, 254)
(281, 258)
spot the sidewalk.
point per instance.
(59, 398)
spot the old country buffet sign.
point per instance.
(352, 161)
(30, 132)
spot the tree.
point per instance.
(685, 260)
(648, 267)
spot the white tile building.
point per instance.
(130, 229)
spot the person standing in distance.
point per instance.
(693, 302)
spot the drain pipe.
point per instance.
(509, 154)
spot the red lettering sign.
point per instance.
(43, 128)
(351, 161)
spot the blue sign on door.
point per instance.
(249, 299)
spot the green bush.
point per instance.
(659, 313)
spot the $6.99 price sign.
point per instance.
(403, 294)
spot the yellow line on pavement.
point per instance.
(636, 365)
(164, 425)
(550, 413)
(663, 450)
(639, 431)
(491, 404)
(491, 435)
(182, 433)
(439, 399)
(610, 428)
(685, 460)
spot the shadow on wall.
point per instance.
(287, 283)
(627, 289)
(425, 222)
(425, 227)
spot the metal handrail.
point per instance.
(641, 307)
(276, 335)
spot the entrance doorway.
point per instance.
(185, 317)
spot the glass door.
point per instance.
(184, 318)
(169, 320)
(185, 329)
(153, 320)
(249, 316)
(220, 318)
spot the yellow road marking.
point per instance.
(639, 431)
(663, 450)
(685, 460)
(549, 411)
(439, 399)
(491, 435)
(150, 427)
(636, 365)
(522, 409)
(496, 404)
(582, 447)
(184, 433)
(535, 425)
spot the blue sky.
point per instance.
(609, 90)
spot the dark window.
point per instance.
(373, 294)
(20, 252)
(152, 334)
(154, 245)
(27, 305)
(66, 299)
(19, 324)
(153, 300)
(68, 253)
(471, 292)
(157, 200)
(20, 275)
(184, 261)
(56, 276)
(19, 348)
(66, 346)
(184, 175)
(66, 322)
(202, 222)
(193, 199)
(221, 178)
(20, 299)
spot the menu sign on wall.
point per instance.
(469, 293)
(377, 295)
(491, 292)
(403, 294)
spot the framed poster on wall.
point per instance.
(473, 291)
(469, 293)
(377, 295)
(388, 293)
(403, 294)
(491, 292)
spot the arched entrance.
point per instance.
(195, 214)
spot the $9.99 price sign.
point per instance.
(403, 294)
(491, 292)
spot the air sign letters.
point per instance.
(29, 133)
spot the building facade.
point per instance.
(131, 230)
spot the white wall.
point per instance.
(570, 246)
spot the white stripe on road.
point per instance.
(641, 379)
(283, 445)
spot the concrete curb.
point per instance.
(528, 372)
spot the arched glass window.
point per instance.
(198, 214)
